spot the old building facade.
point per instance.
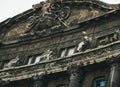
(62, 43)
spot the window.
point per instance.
(99, 82)
(63, 52)
(37, 59)
(67, 51)
(30, 60)
(71, 51)
(33, 59)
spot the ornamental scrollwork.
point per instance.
(51, 17)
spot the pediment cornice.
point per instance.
(52, 16)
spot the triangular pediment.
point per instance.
(54, 15)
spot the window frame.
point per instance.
(97, 79)
(66, 51)
(30, 60)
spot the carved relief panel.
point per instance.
(56, 16)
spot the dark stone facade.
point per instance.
(62, 43)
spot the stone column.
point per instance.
(115, 75)
(76, 78)
(39, 81)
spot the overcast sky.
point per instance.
(10, 8)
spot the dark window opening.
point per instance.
(99, 82)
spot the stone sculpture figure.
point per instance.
(42, 21)
(117, 34)
(13, 62)
(45, 9)
(84, 43)
(48, 55)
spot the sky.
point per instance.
(10, 8)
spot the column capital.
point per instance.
(76, 76)
(37, 77)
(39, 81)
(75, 69)
(115, 65)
